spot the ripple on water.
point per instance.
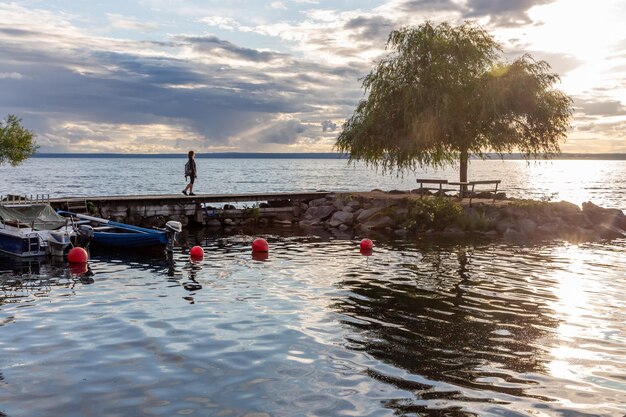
(319, 329)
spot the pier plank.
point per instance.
(199, 198)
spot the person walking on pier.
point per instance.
(190, 171)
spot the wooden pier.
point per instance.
(202, 208)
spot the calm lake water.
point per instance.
(431, 328)
(603, 182)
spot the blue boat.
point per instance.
(107, 233)
(30, 229)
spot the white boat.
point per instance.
(34, 229)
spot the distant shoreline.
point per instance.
(329, 155)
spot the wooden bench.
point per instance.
(468, 188)
(439, 190)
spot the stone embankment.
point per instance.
(406, 214)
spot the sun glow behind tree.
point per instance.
(444, 93)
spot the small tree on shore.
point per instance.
(16, 142)
(444, 93)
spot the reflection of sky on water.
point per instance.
(318, 328)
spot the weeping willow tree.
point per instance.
(444, 93)
(16, 142)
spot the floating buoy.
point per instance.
(196, 253)
(79, 268)
(260, 245)
(77, 255)
(260, 256)
(367, 244)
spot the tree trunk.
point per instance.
(463, 169)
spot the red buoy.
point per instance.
(260, 256)
(196, 253)
(77, 256)
(367, 244)
(260, 245)
(366, 252)
(79, 269)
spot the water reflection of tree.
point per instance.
(448, 320)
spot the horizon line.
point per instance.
(304, 155)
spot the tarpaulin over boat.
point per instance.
(37, 216)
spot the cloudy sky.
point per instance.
(162, 76)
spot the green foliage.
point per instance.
(443, 93)
(16, 143)
(429, 213)
(529, 205)
(477, 221)
(251, 212)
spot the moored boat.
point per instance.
(32, 230)
(111, 234)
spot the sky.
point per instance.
(167, 76)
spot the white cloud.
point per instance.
(122, 22)
(221, 22)
(13, 75)
(278, 5)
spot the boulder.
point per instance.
(379, 223)
(564, 207)
(607, 231)
(318, 202)
(319, 212)
(513, 235)
(527, 226)
(354, 204)
(368, 213)
(548, 229)
(504, 225)
(599, 215)
(341, 217)
(309, 222)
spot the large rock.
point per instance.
(527, 226)
(318, 202)
(503, 225)
(319, 212)
(368, 213)
(341, 217)
(608, 231)
(379, 223)
(565, 207)
(354, 204)
(513, 235)
(548, 229)
(609, 217)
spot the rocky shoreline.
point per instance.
(409, 215)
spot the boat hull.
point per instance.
(23, 245)
(129, 240)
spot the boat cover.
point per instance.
(38, 216)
